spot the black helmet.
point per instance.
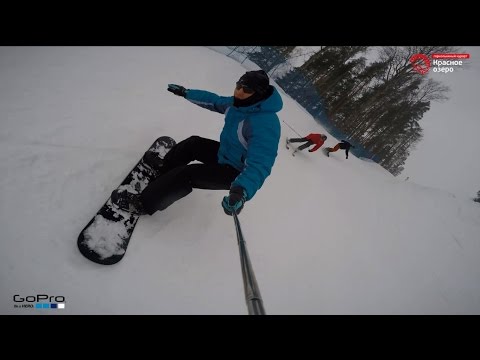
(256, 80)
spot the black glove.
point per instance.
(234, 201)
(309, 150)
(177, 90)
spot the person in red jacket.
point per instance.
(310, 139)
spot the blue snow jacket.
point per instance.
(250, 136)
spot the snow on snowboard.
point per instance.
(105, 238)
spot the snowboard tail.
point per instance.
(106, 237)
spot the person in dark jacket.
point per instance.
(310, 139)
(344, 145)
(240, 162)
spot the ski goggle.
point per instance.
(245, 88)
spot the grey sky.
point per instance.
(447, 156)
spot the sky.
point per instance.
(447, 156)
(325, 235)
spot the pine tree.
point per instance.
(377, 105)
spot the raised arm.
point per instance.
(204, 99)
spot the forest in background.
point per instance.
(375, 101)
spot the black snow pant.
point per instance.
(304, 146)
(178, 177)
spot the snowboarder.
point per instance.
(310, 139)
(344, 145)
(240, 162)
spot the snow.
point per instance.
(105, 237)
(325, 235)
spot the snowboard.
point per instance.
(326, 152)
(105, 238)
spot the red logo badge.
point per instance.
(420, 63)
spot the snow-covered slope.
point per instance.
(325, 235)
